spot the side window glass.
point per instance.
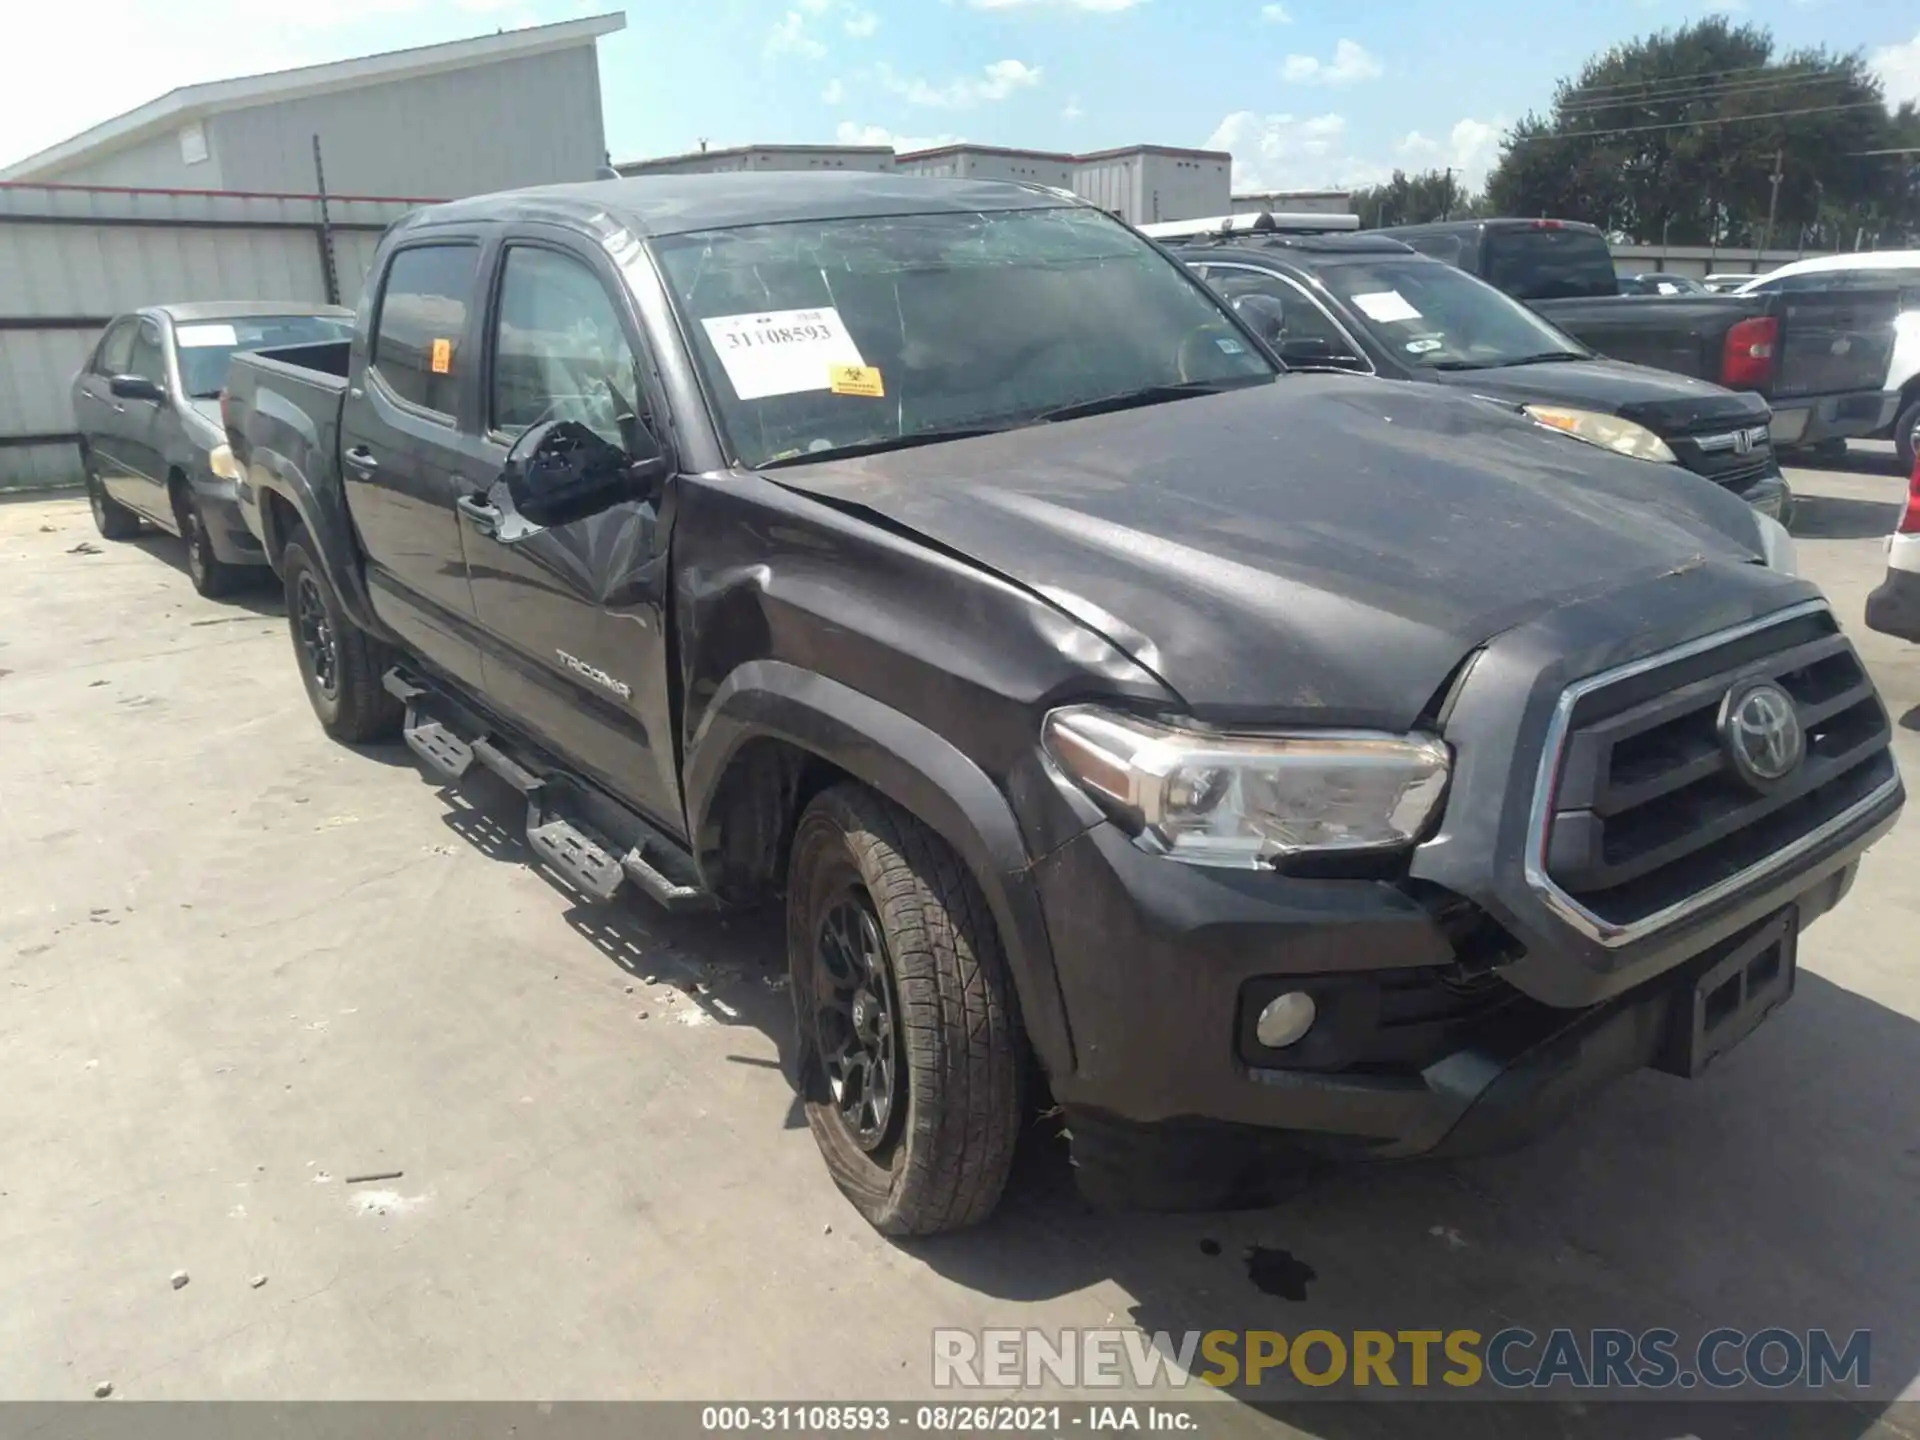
(559, 350)
(147, 360)
(116, 351)
(1441, 247)
(423, 324)
(1310, 336)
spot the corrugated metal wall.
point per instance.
(72, 257)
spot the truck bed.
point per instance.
(1830, 342)
(282, 411)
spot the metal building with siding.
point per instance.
(517, 108)
(1147, 183)
(990, 162)
(764, 157)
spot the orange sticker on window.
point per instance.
(442, 356)
(855, 380)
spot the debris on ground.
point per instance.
(85, 547)
(777, 982)
(257, 1281)
(96, 684)
(629, 989)
(103, 1390)
(826, 1230)
(178, 1279)
(47, 529)
(382, 1175)
(641, 1016)
(649, 979)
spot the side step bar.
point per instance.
(558, 828)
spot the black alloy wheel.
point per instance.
(855, 1021)
(315, 632)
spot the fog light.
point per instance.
(1285, 1020)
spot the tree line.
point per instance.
(1678, 138)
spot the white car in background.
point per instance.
(1869, 270)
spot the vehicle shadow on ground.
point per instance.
(1780, 1190)
(1860, 461)
(731, 967)
(258, 591)
(1841, 517)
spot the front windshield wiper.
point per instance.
(1543, 358)
(1148, 395)
(882, 444)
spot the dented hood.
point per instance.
(1326, 547)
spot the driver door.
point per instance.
(572, 618)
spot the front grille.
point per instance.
(1647, 808)
(1714, 453)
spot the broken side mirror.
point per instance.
(1265, 315)
(565, 472)
(135, 387)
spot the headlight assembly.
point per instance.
(1250, 799)
(1609, 432)
(220, 460)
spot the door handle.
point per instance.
(476, 512)
(362, 460)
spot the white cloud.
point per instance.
(1096, 6)
(1898, 67)
(1073, 110)
(1351, 61)
(834, 93)
(849, 132)
(861, 23)
(1471, 148)
(790, 37)
(1290, 152)
(1275, 15)
(996, 82)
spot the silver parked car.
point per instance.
(152, 444)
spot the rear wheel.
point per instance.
(340, 664)
(911, 1051)
(112, 519)
(211, 576)
(1906, 434)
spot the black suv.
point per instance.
(1260, 753)
(1372, 305)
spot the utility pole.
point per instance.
(1773, 204)
(1446, 201)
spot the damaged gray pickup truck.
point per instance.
(1265, 764)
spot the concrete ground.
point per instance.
(241, 966)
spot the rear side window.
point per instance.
(423, 324)
(116, 350)
(1548, 264)
(1449, 248)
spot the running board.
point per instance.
(557, 832)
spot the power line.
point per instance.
(1704, 75)
(1691, 124)
(1731, 90)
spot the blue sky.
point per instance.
(1304, 92)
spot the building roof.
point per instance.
(1176, 150)
(677, 204)
(636, 167)
(962, 147)
(194, 102)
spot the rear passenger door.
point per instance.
(98, 412)
(402, 446)
(573, 617)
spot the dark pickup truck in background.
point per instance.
(1820, 358)
(1262, 754)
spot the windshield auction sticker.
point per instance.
(201, 337)
(782, 352)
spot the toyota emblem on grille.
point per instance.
(1761, 732)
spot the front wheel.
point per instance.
(340, 663)
(911, 1050)
(211, 575)
(112, 519)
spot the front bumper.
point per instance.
(234, 542)
(1894, 607)
(1769, 494)
(1162, 964)
(1856, 415)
